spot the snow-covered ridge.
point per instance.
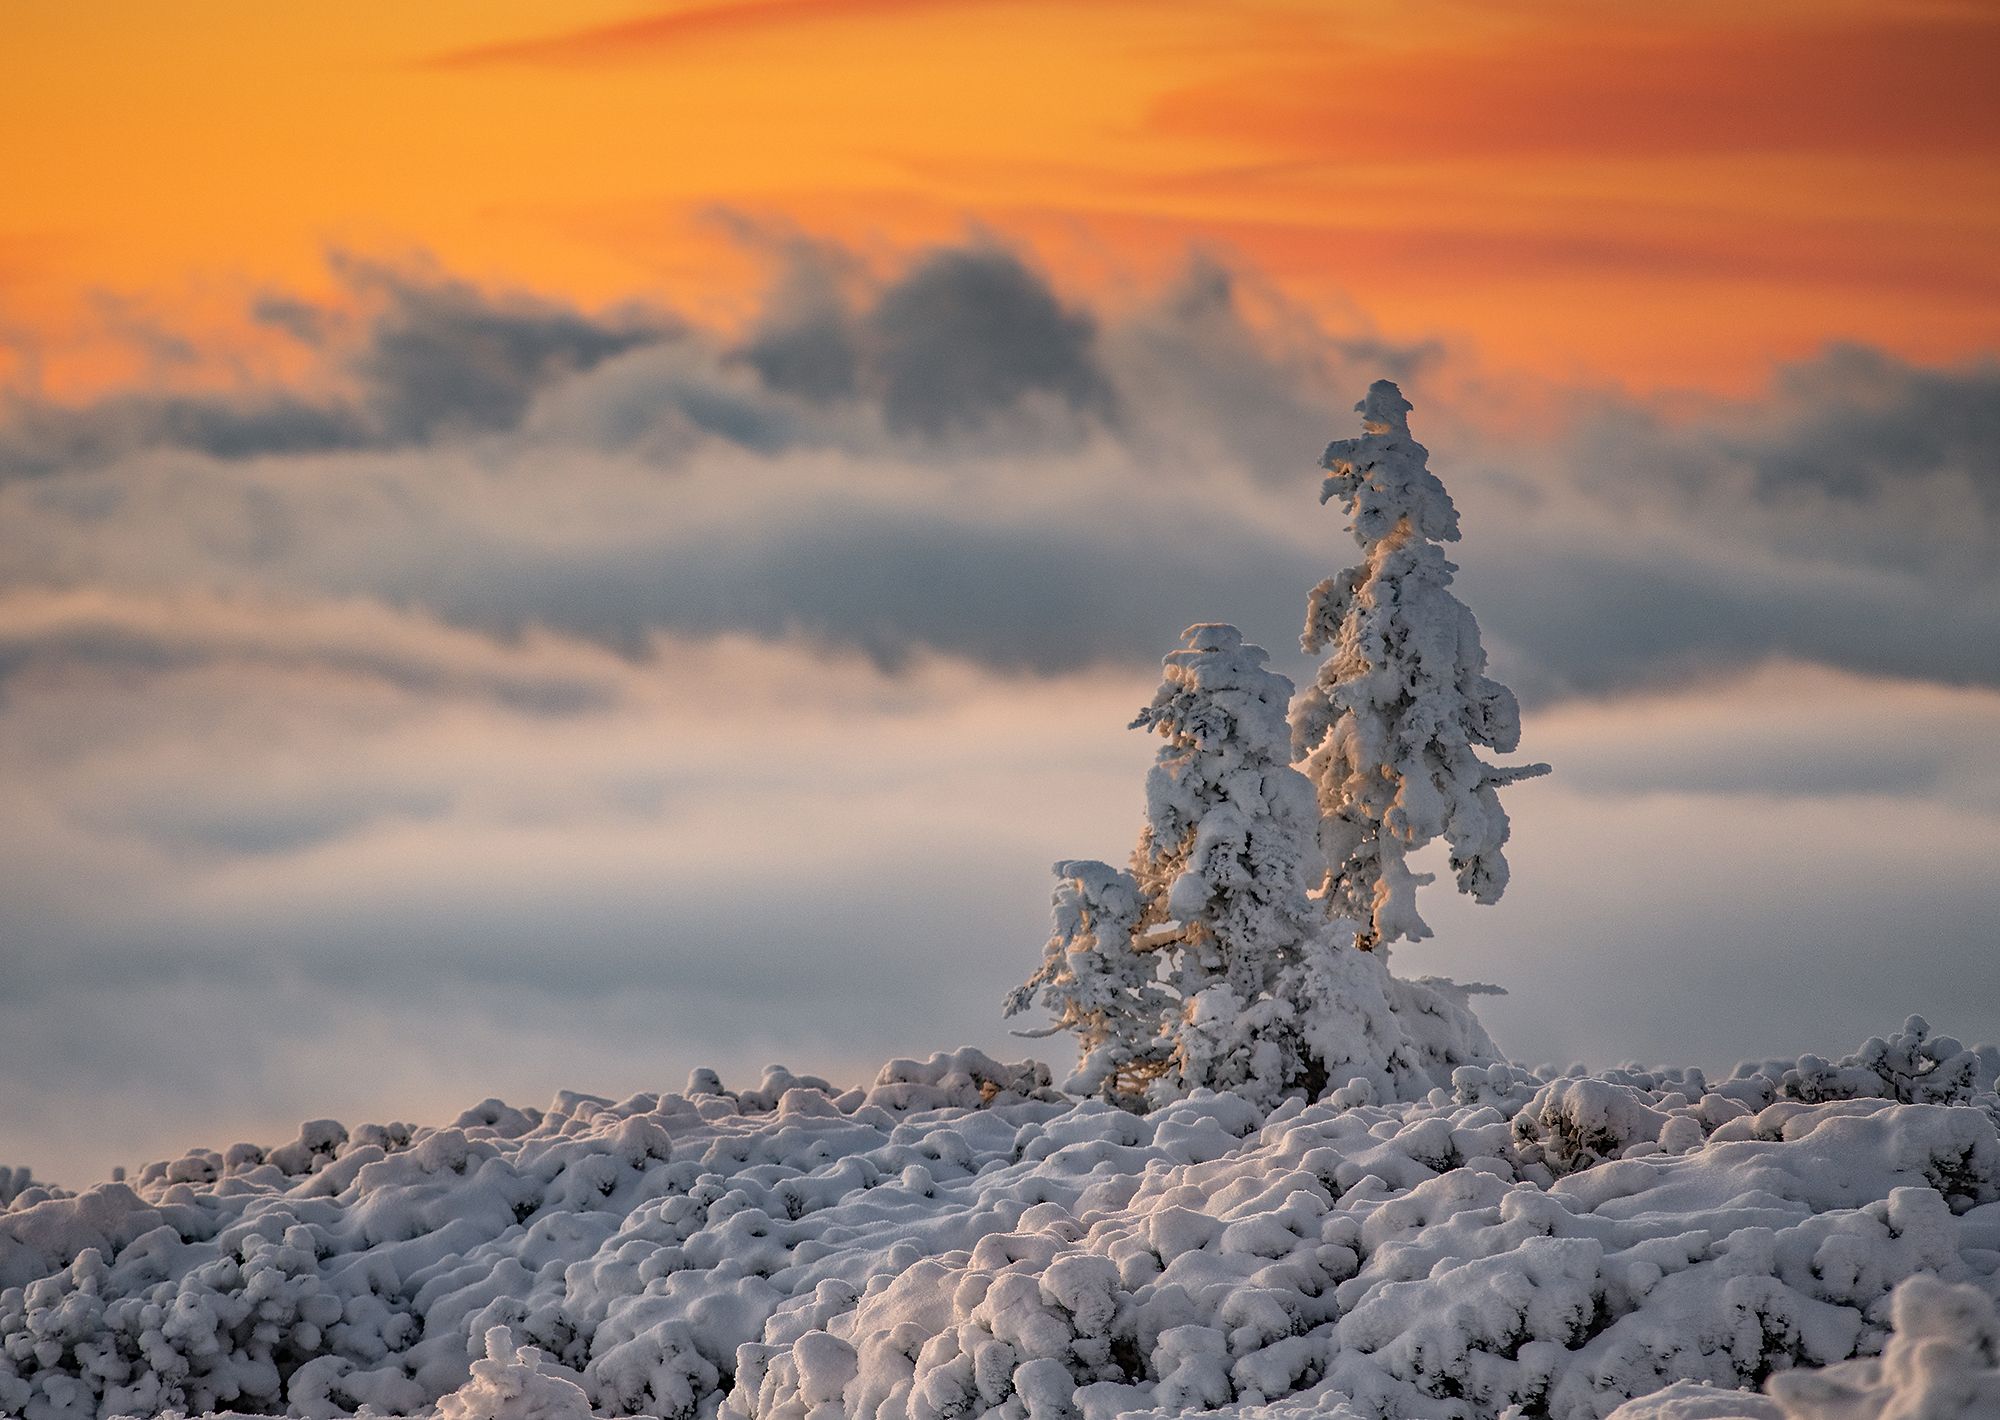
(959, 1239)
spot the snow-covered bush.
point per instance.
(1943, 1359)
(1912, 1066)
(1942, 1362)
(1388, 729)
(515, 1383)
(18, 1186)
(1574, 1124)
(959, 1240)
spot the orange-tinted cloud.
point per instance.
(1898, 84)
(668, 31)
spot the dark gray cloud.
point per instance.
(1584, 620)
(807, 341)
(965, 335)
(1849, 519)
(960, 339)
(129, 639)
(434, 358)
(1208, 385)
(1044, 598)
(39, 438)
(1866, 425)
(445, 358)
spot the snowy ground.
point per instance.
(961, 1240)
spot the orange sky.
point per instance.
(1655, 195)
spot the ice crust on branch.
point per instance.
(1389, 728)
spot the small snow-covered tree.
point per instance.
(1387, 732)
(1097, 986)
(1181, 972)
(1224, 862)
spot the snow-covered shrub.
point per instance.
(1575, 1124)
(1943, 1359)
(1388, 729)
(18, 1188)
(959, 1240)
(514, 1383)
(1942, 1362)
(1912, 1066)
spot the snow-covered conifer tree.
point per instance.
(1097, 986)
(1186, 970)
(1224, 863)
(1387, 730)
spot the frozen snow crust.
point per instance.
(960, 1240)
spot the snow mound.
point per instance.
(17, 1185)
(961, 1240)
(514, 1383)
(1942, 1362)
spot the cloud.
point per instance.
(1584, 617)
(965, 334)
(746, 682)
(446, 358)
(391, 899)
(960, 339)
(1787, 731)
(434, 357)
(955, 459)
(756, 850)
(1540, 89)
(1868, 427)
(56, 634)
(670, 33)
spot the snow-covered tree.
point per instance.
(1097, 986)
(1387, 732)
(1186, 970)
(1224, 862)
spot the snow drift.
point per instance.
(961, 1240)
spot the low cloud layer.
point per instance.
(531, 660)
(959, 459)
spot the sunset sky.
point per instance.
(544, 546)
(1645, 195)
